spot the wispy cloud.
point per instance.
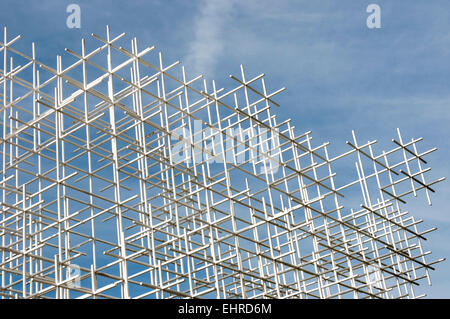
(208, 43)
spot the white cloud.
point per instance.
(213, 17)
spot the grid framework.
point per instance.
(122, 178)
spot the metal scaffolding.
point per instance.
(122, 178)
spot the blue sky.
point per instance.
(339, 74)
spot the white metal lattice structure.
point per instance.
(122, 178)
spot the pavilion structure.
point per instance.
(120, 177)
